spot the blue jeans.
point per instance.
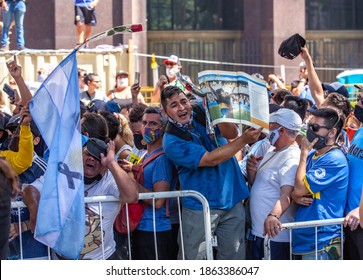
(17, 9)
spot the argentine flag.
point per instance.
(55, 109)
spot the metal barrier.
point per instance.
(144, 196)
(316, 224)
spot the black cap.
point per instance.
(291, 47)
(96, 147)
(14, 121)
(358, 87)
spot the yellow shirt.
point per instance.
(21, 160)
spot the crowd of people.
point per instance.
(305, 169)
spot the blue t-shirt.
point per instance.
(160, 169)
(327, 179)
(223, 185)
(307, 94)
(83, 3)
(355, 161)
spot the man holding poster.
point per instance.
(207, 165)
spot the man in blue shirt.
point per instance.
(206, 164)
(321, 186)
(158, 177)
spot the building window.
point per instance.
(334, 14)
(195, 14)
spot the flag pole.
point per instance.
(127, 28)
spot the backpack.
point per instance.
(135, 210)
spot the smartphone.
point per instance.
(8, 90)
(137, 78)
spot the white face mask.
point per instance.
(123, 82)
(274, 136)
(170, 72)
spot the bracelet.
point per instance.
(273, 215)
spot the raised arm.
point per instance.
(314, 83)
(127, 187)
(15, 71)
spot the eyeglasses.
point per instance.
(96, 82)
(316, 127)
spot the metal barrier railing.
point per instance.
(143, 196)
(316, 224)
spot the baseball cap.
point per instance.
(96, 104)
(291, 47)
(96, 147)
(121, 72)
(14, 121)
(336, 87)
(286, 118)
(172, 59)
(359, 87)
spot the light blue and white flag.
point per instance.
(55, 109)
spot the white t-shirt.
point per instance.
(85, 98)
(93, 240)
(276, 169)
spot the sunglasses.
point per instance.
(169, 64)
(316, 127)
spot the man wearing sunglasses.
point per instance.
(172, 67)
(321, 185)
(353, 246)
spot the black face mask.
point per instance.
(311, 135)
(138, 141)
(95, 179)
(358, 113)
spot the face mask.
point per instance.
(311, 135)
(152, 134)
(274, 136)
(139, 141)
(170, 72)
(358, 113)
(350, 132)
(123, 82)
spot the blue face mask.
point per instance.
(274, 136)
(152, 134)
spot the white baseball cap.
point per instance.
(286, 118)
(172, 59)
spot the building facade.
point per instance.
(245, 32)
